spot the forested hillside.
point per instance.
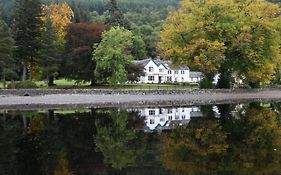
(146, 17)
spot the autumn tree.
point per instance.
(28, 24)
(77, 62)
(60, 15)
(6, 52)
(113, 54)
(238, 36)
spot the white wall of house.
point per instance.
(151, 72)
(162, 116)
(194, 79)
(161, 74)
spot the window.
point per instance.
(169, 78)
(182, 110)
(161, 70)
(177, 117)
(182, 79)
(169, 72)
(176, 72)
(150, 78)
(182, 72)
(151, 112)
(183, 117)
(170, 117)
(151, 69)
(160, 111)
(170, 111)
(151, 121)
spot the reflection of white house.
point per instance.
(166, 118)
(162, 71)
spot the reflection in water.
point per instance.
(167, 118)
(247, 142)
(116, 140)
(223, 139)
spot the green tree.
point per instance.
(116, 17)
(50, 53)
(113, 53)
(6, 52)
(240, 36)
(138, 49)
(28, 26)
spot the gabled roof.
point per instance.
(166, 63)
(195, 74)
(144, 62)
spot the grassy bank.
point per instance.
(72, 84)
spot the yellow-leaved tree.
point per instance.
(225, 36)
(60, 15)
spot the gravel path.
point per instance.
(97, 100)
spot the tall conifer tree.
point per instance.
(50, 52)
(27, 33)
(116, 18)
(6, 51)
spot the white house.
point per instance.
(162, 71)
(167, 118)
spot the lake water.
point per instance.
(228, 139)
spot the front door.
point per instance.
(160, 79)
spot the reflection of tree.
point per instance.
(197, 149)
(258, 149)
(118, 143)
(38, 148)
(247, 144)
(9, 134)
(63, 165)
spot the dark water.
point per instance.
(242, 139)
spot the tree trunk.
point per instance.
(3, 78)
(30, 73)
(51, 115)
(93, 81)
(24, 73)
(50, 80)
(254, 84)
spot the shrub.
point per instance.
(28, 84)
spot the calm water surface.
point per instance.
(242, 139)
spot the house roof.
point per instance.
(193, 74)
(166, 63)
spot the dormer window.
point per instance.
(182, 72)
(151, 69)
(161, 70)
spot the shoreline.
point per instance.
(32, 99)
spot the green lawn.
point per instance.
(63, 83)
